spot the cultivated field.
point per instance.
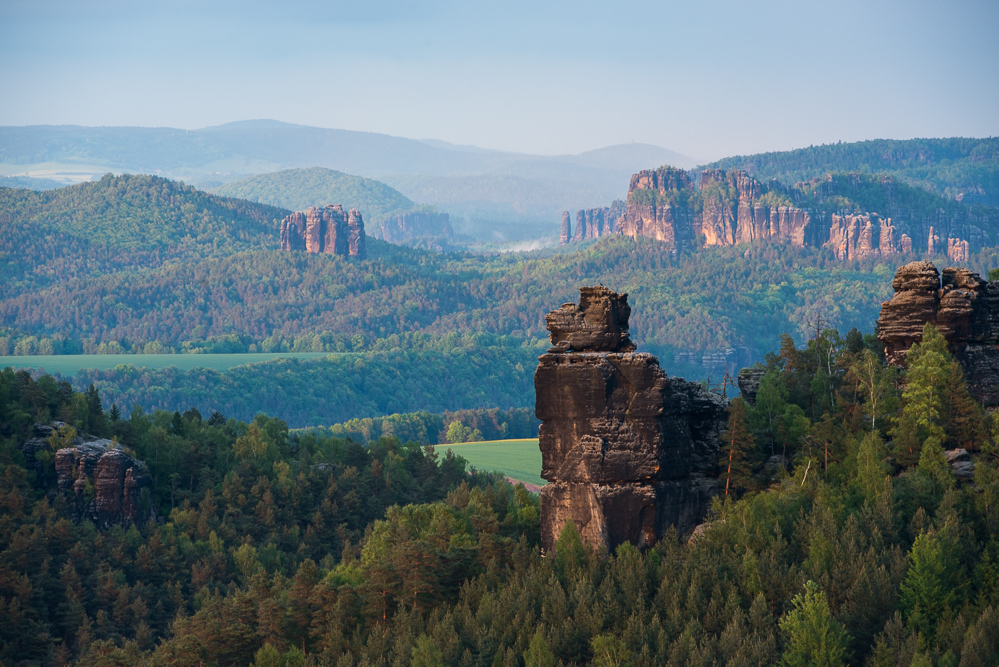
(70, 364)
(517, 459)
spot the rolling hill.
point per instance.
(297, 189)
(485, 187)
(964, 168)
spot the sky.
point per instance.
(706, 78)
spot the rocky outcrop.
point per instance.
(749, 383)
(866, 235)
(418, 229)
(628, 451)
(101, 482)
(961, 305)
(328, 230)
(592, 223)
(730, 207)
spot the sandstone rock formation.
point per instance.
(730, 207)
(418, 228)
(749, 383)
(326, 230)
(592, 223)
(629, 451)
(961, 305)
(565, 234)
(102, 483)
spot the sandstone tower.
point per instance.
(628, 451)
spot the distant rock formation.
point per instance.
(628, 451)
(961, 305)
(592, 223)
(102, 483)
(729, 207)
(417, 228)
(327, 230)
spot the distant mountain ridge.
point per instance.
(484, 187)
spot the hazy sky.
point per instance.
(701, 77)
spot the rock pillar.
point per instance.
(628, 451)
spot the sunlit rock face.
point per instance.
(328, 230)
(961, 305)
(629, 452)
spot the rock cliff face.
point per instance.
(663, 204)
(327, 230)
(961, 305)
(417, 228)
(102, 483)
(629, 451)
(592, 223)
(730, 207)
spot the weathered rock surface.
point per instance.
(103, 484)
(629, 451)
(749, 383)
(730, 207)
(961, 463)
(592, 223)
(565, 234)
(327, 230)
(961, 305)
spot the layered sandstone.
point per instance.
(592, 223)
(101, 482)
(961, 305)
(725, 208)
(628, 451)
(328, 230)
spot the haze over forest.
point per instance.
(523, 334)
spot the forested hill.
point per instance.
(119, 224)
(298, 189)
(951, 167)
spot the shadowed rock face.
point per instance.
(327, 230)
(629, 451)
(102, 484)
(961, 305)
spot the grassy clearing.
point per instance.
(517, 459)
(71, 364)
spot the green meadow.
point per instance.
(517, 459)
(71, 364)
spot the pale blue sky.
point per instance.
(706, 78)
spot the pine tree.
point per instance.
(922, 401)
(737, 445)
(929, 590)
(871, 467)
(814, 637)
(538, 654)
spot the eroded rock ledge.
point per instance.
(961, 305)
(101, 482)
(629, 452)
